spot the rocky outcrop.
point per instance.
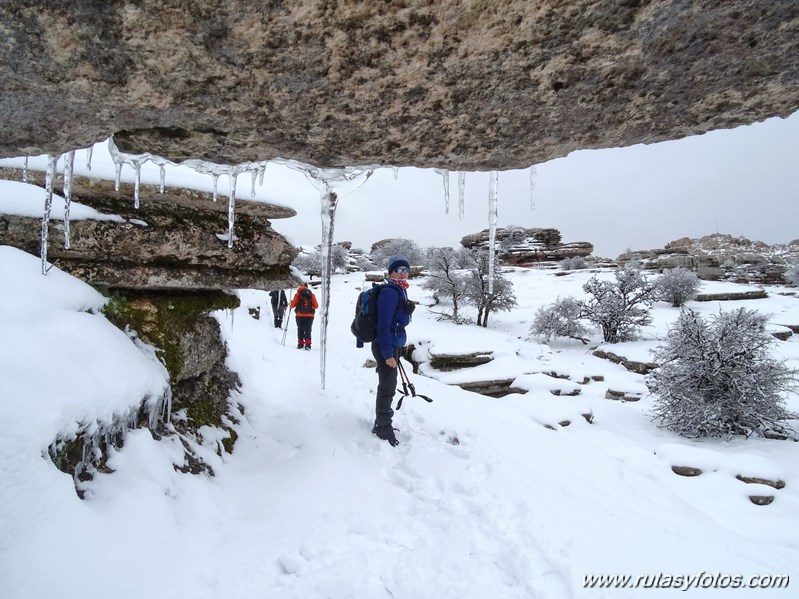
(721, 256)
(174, 240)
(466, 85)
(522, 247)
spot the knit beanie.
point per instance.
(396, 261)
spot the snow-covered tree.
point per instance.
(445, 280)
(560, 319)
(718, 379)
(500, 299)
(792, 275)
(311, 262)
(677, 286)
(619, 308)
(406, 247)
(573, 263)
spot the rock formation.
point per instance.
(461, 85)
(721, 256)
(521, 247)
(174, 240)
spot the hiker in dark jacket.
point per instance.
(393, 315)
(304, 305)
(279, 305)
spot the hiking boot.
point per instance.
(386, 433)
(300, 346)
(308, 347)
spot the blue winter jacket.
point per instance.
(392, 318)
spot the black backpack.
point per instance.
(304, 302)
(364, 325)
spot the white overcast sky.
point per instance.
(741, 181)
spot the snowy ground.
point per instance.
(481, 499)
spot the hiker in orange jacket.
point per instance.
(304, 305)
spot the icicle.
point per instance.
(345, 181)
(445, 178)
(461, 193)
(231, 209)
(25, 170)
(49, 180)
(396, 171)
(89, 151)
(533, 178)
(69, 161)
(328, 214)
(136, 185)
(261, 173)
(492, 227)
(252, 187)
(215, 177)
(118, 175)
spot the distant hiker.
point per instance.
(279, 305)
(393, 315)
(304, 305)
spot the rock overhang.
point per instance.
(466, 85)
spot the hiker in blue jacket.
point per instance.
(393, 315)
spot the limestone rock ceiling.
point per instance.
(463, 85)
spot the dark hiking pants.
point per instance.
(304, 324)
(386, 385)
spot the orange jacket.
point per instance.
(298, 311)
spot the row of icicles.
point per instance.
(333, 184)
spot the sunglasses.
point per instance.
(402, 269)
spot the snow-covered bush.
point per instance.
(406, 247)
(792, 275)
(718, 379)
(560, 319)
(619, 308)
(677, 286)
(573, 263)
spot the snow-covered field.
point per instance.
(480, 500)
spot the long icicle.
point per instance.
(329, 201)
(533, 179)
(25, 170)
(461, 194)
(49, 181)
(445, 180)
(69, 161)
(492, 227)
(231, 209)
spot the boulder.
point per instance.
(462, 86)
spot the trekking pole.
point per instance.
(288, 317)
(406, 385)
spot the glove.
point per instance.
(410, 307)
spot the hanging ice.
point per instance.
(533, 178)
(135, 161)
(396, 171)
(215, 177)
(492, 227)
(69, 161)
(445, 178)
(161, 162)
(252, 187)
(89, 151)
(49, 181)
(216, 171)
(25, 170)
(461, 193)
(333, 184)
(231, 208)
